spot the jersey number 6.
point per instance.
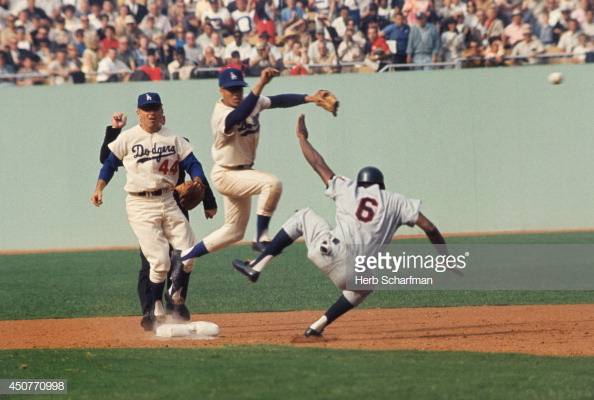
(365, 212)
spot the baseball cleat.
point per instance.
(260, 246)
(245, 269)
(147, 322)
(177, 311)
(312, 332)
(159, 311)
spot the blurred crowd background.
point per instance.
(77, 41)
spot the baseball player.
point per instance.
(152, 156)
(236, 131)
(179, 311)
(367, 216)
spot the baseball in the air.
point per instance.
(555, 78)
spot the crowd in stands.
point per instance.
(62, 41)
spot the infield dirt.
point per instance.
(559, 330)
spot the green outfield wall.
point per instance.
(486, 150)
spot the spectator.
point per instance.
(582, 49)
(74, 64)
(89, 32)
(588, 24)
(473, 55)
(132, 30)
(545, 30)
(180, 68)
(90, 59)
(291, 13)
(110, 69)
(58, 69)
(161, 22)
(122, 20)
(349, 50)
(372, 17)
(107, 10)
(33, 11)
(5, 69)
(109, 42)
(8, 32)
(217, 45)
(219, 17)
(493, 24)
(325, 60)
(340, 23)
(494, 54)
(13, 53)
(295, 60)
(148, 27)
(398, 32)
(138, 11)
(413, 8)
(313, 48)
(242, 18)
(211, 60)
(452, 41)
(151, 69)
(59, 35)
(194, 53)
(71, 21)
(30, 71)
(423, 42)
(512, 33)
(263, 22)
(204, 38)
(125, 53)
(569, 39)
(244, 49)
(95, 16)
(528, 49)
(261, 58)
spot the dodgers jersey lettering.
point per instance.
(367, 218)
(151, 160)
(238, 146)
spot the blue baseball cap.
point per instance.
(230, 78)
(149, 99)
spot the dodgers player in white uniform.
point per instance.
(152, 156)
(236, 131)
(367, 216)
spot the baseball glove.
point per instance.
(326, 100)
(191, 193)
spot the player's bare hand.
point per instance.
(302, 132)
(97, 198)
(267, 74)
(118, 120)
(209, 214)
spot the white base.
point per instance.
(194, 330)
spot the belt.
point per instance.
(325, 248)
(151, 194)
(247, 166)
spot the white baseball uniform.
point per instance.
(366, 219)
(234, 153)
(152, 163)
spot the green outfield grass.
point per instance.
(291, 373)
(104, 283)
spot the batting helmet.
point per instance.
(370, 175)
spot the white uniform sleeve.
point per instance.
(219, 117)
(183, 147)
(262, 104)
(407, 209)
(119, 146)
(336, 186)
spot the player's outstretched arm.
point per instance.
(312, 156)
(432, 233)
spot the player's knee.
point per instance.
(157, 276)
(275, 187)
